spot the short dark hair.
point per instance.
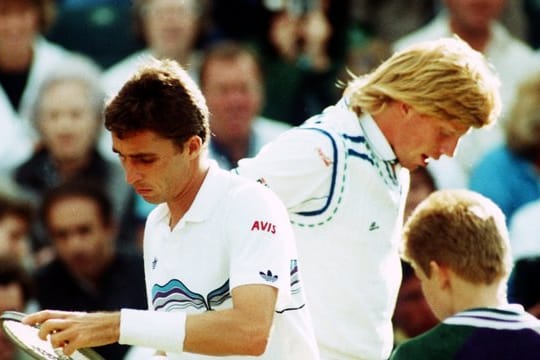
(20, 208)
(162, 98)
(77, 188)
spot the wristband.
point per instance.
(158, 330)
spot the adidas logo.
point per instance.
(268, 276)
(373, 226)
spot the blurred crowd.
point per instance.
(71, 227)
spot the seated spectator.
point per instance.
(457, 242)
(68, 116)
(16, 219)
(169, 30)
(412, 315)
(406, 16)
(480, 27)
(421, 185)
(88, 274)
(25, 58)
(16, 293)
(510, 174)
(301, 72)
(232, 82)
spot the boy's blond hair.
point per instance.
(460, 229)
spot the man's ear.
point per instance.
(404, 108)
(194, 145)
(441, 274)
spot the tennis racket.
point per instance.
(26, 338)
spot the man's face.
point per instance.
(68, 123)
(11, 298)
(18, 27)
(233, 91)
(81, 238)
(412, 314)
(474, 15)
(417, 138)
(158, 170)
(170, 27)
(14, 231)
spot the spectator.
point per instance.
(301, 71)
(16, 219)
(421, 185)
(457, 242)
(88, 274)
(68, 117)
(478, 26)
(509, 174)
(170, 30)
(412, 316)
(232, 83)
(25, 58)
(389, 20)
(344, 176)
(16, 293)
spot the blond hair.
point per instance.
(460, 229)
(445, 79)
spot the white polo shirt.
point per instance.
(345, 193)
(235, 233)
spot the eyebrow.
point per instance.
(136, 155)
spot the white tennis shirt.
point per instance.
(345, 193)
(235, 233)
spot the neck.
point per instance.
(180, 204)
(235, 150)
(477, 38)
(16, 61)
(468, 296)
(181, 58)
(68, 168)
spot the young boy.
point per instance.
(457, 242)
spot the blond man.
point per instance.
(344, 177)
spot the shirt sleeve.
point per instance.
(261, 242)
(297, 166)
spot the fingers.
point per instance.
(58, 334)
(42, 316)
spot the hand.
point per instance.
(75, 330)
(283, 35)
(316, 32)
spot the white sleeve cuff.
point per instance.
(158, 330)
